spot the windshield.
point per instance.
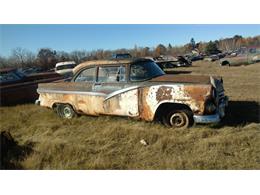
(145, 70)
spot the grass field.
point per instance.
(47, 142)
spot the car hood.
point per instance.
(200, 79)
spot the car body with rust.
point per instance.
(136, 88)
(244, 56)
(16, 87)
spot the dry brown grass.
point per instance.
(114, 142)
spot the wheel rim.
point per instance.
(178, 120)
(67, 112)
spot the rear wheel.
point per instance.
(179, 119)
(65, 111)
(225, 63)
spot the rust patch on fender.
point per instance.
(144, 109)
(164, 93)
(198, 94)
(81, 102)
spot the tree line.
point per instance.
(46, 58)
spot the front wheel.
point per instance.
(180, 119)
(65, 111)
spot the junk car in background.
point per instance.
(172, 62)
(16, 87)
(243, 57)
(65, 68)
(121, 56)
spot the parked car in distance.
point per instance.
(246, 56)
(221, 55)
(121, 56)
(65, 68)
(193, 58)
(30, 70)
(136, 88)
(171, 62)
(183, 61)
(16, 87)
(165, 61)
(211, 58)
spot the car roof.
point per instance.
(65, 63)
(5, 70)
(109, 62)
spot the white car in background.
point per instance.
(65, 68)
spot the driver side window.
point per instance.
(111, 74)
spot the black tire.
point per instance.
(65, 111)
(225, 63)
(179, 119)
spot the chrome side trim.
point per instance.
(121, 91)
(71, 92)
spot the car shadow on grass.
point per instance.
(13, 153)
(240, 113)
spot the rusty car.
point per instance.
(244, 56)
(136, 88)
(17, 87)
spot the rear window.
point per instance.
(144, 71)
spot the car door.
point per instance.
(119, 100)
(86, 99)
(110, 79)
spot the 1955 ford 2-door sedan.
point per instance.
(136, 88)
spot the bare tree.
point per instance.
(22, 57)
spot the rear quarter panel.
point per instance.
(152, 97)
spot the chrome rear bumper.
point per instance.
(215, 118)
(206, 118)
